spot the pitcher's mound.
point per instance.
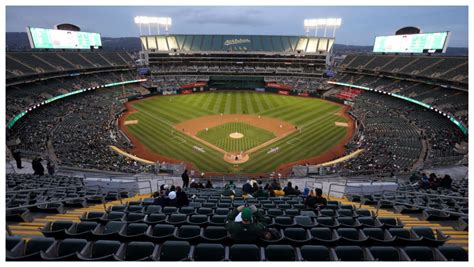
(236, 135)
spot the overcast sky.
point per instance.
(360, 24)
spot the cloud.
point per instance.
(240, 17)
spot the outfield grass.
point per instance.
(315, 117)
(219, 136)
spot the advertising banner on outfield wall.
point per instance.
(260, 89)
(303, 94)
(281, 92)
(186, 92)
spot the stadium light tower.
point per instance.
(333, 23)
(158, 21)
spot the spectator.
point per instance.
(247, 187)
(321, 202)
(254, 188)
(193, 184)
(181, 197)
(50, 167)
(171, 199)
(260, 192)
(289, 190)
(37, 167)
(185, 178)
(200, 185)
(245, 224)
(446, 182)
(275, 185)
(209, 184)
(231, 185)
(297, 191)
(17, 157)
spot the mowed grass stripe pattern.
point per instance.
(315, 117)
(219, 136)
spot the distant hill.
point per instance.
(18, 41)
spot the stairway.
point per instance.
(28, 230)
(460, 238)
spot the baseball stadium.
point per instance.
(236, 147)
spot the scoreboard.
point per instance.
(59, 39)
(436, 42)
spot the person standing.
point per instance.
(17, 157)
(185, 178)
(50, 167)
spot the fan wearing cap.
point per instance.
(245, 224)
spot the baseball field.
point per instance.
(237, 131)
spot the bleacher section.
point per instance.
(24, 64)
(139, 230)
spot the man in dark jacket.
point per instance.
(247, 187)
(17, 157)
(245, 224)
(37, 167)
(185, 178)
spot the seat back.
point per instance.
(138, 250)
(296, 233)
(188, 231)
(322, 233)
(244, 252)
(174, 250)
(134, 216)
(136, 228)
(280, 253)
(350, 233)
(383, 253)
(315, 253)
(198, 218)
(219, 219)
(285, 220)
(61, 225)
(176, 217)
(94, 214)
(209, 252)
(37, 245)
(419, 253)
(454, 253)
(304, 220)
(215, 232)
(69, 246)
(422, 231)
(85, 226)
(163, 229)
(350, 253)
(113, 227)
(103, 248)
(169, 210)
(156, 217)
(327, 212)
(376, 233)
(400, 232)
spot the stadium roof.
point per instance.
(237, 43)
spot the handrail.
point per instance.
(342, 192)
(428, 194)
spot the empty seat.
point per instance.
(102, 250)
(304, 221)
(385, 253)
(66, 250)
(134, 208)
(12, 241)
(389, 222)
(155, 218)
(315, 253)
(169, 210)
(283, 221)
(221, 211)
(138, 251)
(110, 231)
(368, 221)
(348, 222)
(186, 210)
(118, 208)
(92, 216)
(454, 253)
(197, 219)
(56, 229)
(420, 253)
(209, 252)
(350, 253)
(328, 212)
(328, 222)
(112, 216)
(351, 236)
(244, 252)
(134, 217)
(190, 233)
(378, 237)
(428, 237)
(345, 213)
(152, 209)
(217, 219)
(176, 219)
(280, 253)
(30, 251)
(81, 230)
(274, 212)
(134, 232)
(161, 232)
(215, 234)
(296, 235)
(204, 211)
(175, 251)
(364, 213)
(323, 236)
(404, 237)
(292, 212)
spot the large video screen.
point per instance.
(59, 39)
(436, 42)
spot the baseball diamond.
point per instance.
(266, 121)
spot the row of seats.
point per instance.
(214, 233)
(107, 250)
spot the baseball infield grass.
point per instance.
(314, 118)
(219, 136)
